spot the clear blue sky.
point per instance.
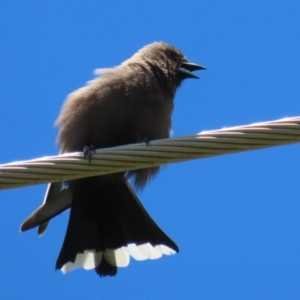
(235, 218)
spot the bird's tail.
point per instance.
(107, 225)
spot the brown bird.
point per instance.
(130, 103)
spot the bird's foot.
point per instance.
(88, 151)
(143, 140)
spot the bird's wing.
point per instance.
(57, 199)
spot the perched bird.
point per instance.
(130, 103)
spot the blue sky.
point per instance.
(235, 218)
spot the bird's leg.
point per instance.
(88, 151)
(143, 140)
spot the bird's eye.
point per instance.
(172, 55)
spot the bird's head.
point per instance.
(168, 60)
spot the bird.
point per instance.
(130, 103)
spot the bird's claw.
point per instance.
(143, 140)
(88, 151)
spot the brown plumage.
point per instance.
(127, 104)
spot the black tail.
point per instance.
(107, 225)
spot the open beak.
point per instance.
(186, 68)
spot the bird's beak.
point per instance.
(186, 69)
